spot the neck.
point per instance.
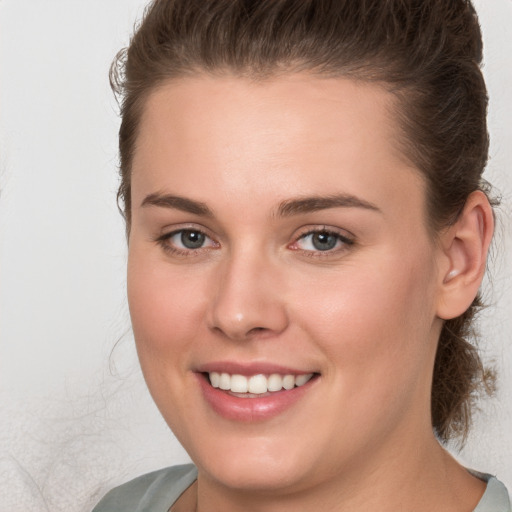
(430, 480)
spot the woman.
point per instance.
(308, 230)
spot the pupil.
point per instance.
(324, 241)
(192, 239)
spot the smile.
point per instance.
(253, 392)
(257, 384)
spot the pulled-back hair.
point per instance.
(425, 52)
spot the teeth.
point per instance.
(215, 379)
(300, 380)
(239, 384)
(224, 381)
(275, 382)
(257, 384)
(289, 382)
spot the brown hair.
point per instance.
(426, 52)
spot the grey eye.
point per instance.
(191, 239)
(324, 241)
(321, 241)
(186, 242)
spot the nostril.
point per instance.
(257, 332)
(242, 317)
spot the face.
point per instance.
(281, 279)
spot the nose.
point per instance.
(248, 299)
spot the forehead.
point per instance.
(245, 135)
(287, 108)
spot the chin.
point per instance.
(255, 474)
(248, 461)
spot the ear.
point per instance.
(464, 249)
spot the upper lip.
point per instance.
(248, 369)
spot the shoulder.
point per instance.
(155, 491)
(495, 498)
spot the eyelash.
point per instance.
(164, 242)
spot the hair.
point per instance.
(427, 53)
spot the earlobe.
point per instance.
(465, 247)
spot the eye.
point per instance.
(186, 240)
(322, 241)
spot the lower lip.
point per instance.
(249, 410)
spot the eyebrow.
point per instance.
(177, 203)
(286, 208)
(317, 203)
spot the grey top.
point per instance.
(158, 491)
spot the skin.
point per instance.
(365, 316)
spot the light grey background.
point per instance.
(75, 418)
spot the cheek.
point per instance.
(375, 332)
(373, 317)
(166, 308)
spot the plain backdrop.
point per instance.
(75, 417)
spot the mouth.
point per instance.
(253, 393)
(256, 386)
